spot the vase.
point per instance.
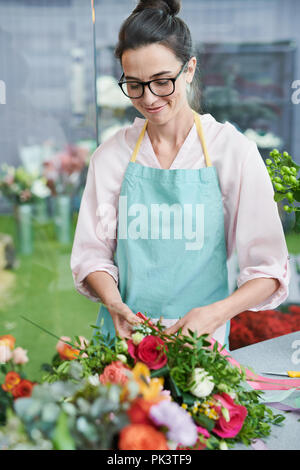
(24, 230)
(41, 211)
(62, 218)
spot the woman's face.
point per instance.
(144, 64)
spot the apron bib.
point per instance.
(171, 249)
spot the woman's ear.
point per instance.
(191, 69)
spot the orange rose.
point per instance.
(23, 389)
(65, 351)
(142, 437)
(8, 340)
(114, 373)
(11, 380)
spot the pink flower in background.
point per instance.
(114, 373)
(5, 353)
(73, 159)
(19, 356)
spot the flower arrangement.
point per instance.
(252, 327)
(62, 170)
(149, 392)
(21, 186)
(15, 383)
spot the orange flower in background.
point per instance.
(65, 351)
(8, 340)
(23, 389)
(11, 380)
(142, 437)
(138, 412)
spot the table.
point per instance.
(280, 354)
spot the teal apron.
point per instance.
(171, 250)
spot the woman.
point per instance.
(203, 179)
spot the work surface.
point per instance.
(278, 354)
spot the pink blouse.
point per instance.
(252, 224)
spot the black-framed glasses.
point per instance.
(159, 86)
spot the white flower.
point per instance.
(204, 383)
(94, 380)
(122, 358)
(5, 354)
(137, 338)
(40, 189)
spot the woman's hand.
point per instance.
(203, 320)
(123, 318)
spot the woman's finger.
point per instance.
(172, 329)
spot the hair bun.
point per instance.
(171, 7)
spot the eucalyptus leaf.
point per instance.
(62, 439)
(50, 412)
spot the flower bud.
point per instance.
(122, 358)
(223, 445)
(137, 338)
(121, 346)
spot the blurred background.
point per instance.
(59, 99)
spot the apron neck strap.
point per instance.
(200, 133)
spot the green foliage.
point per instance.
(283, 172)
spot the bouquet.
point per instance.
(63, 169)
(20, 186)
(15, 383)
(151, 391)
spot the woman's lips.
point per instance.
(155, 110)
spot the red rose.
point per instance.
(237, 415)
(150, 351)
(23, 389)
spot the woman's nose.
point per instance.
(148, 97)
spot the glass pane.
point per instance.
(47, 122)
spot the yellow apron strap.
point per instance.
(200, 132)
(139, 141)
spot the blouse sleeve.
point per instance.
(260, 240)
(94, 240)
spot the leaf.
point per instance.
(160, 372)
(188, 398)
(62, 439)
(296, 195)
(297, 222)
(278, 197)
(174, 389)
(205, 422)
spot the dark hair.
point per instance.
(155, 21)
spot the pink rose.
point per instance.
(203, 431)
(5, 353)
(20, 356)
(237, 415)
(150, 351)
(114, 373)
